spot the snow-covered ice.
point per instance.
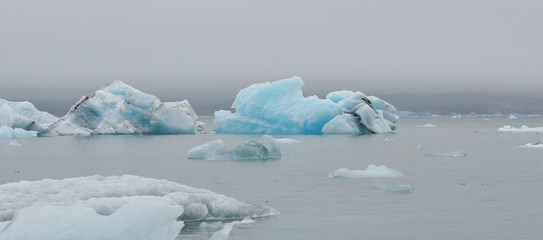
(8, 132)
(280, 108)
(458, 153)
(121, 109)
(394, 188)
(523, 128)
(98, 207)
(265, 148)
(372, 171)
(286, 140)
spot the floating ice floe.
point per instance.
(394, 188)
(280, 108)
(523, 128)
(116, 207)
(121, 109)
(265, 148)
(8, 132)
(371, 171)
(448, 154)
(24, 115)
(428, 125)
(534, 145)
(512, 117)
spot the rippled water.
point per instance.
(495, 192)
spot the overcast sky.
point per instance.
(206, 51)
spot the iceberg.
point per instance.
(286, 140)
(24, 115)
(523, 128)
(458, 153)
(428, 125)
(98, 207)
(372, 171)
(224, 233)
(280, 108)
(8, 132)
(14, 144)
(121, 109)
(263, 149)
(394, 188)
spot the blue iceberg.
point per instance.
(25, 116)
(263, 149)
(7, 132)
(280, 108)
(121, 109)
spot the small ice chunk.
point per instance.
(523, 128)
(428, 125)
(534, 145)
(286, 140)
(371, 171)
(512, 117)
(394, 188)
(265, 148)
(224, 233)
(458, 153)
(14, 143)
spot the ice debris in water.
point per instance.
(394, 188)
(280, 108)
(459, 153)
(533, 145)
(224, 233)
(523, 128)
(512, 117)
(25, 116)
(8, 132)
(121, 109)
(372, 171)
(265, 148)
(98, 207)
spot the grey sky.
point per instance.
(206, 51)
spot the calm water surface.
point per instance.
(495, 192)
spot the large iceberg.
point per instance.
(280, 108)
(263, 149)
(7, 132)
(25, 116)
(121, 109)
(115, 207)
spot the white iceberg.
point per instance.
(121, 109)
(263, 149)
(523, 128)
(372, 171)
(458, 153)
(280, 108)
(99, 207)
(8, 132)
(394, 188)
(24, 115)
(428, 125)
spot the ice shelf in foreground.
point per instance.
(24, 115)
(371, 171)
(263, 149)
(121, 109)
(280, 108)
(523, 128)
(98, 207)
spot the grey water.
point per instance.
(494, 192)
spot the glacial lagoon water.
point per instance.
(493, 192)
